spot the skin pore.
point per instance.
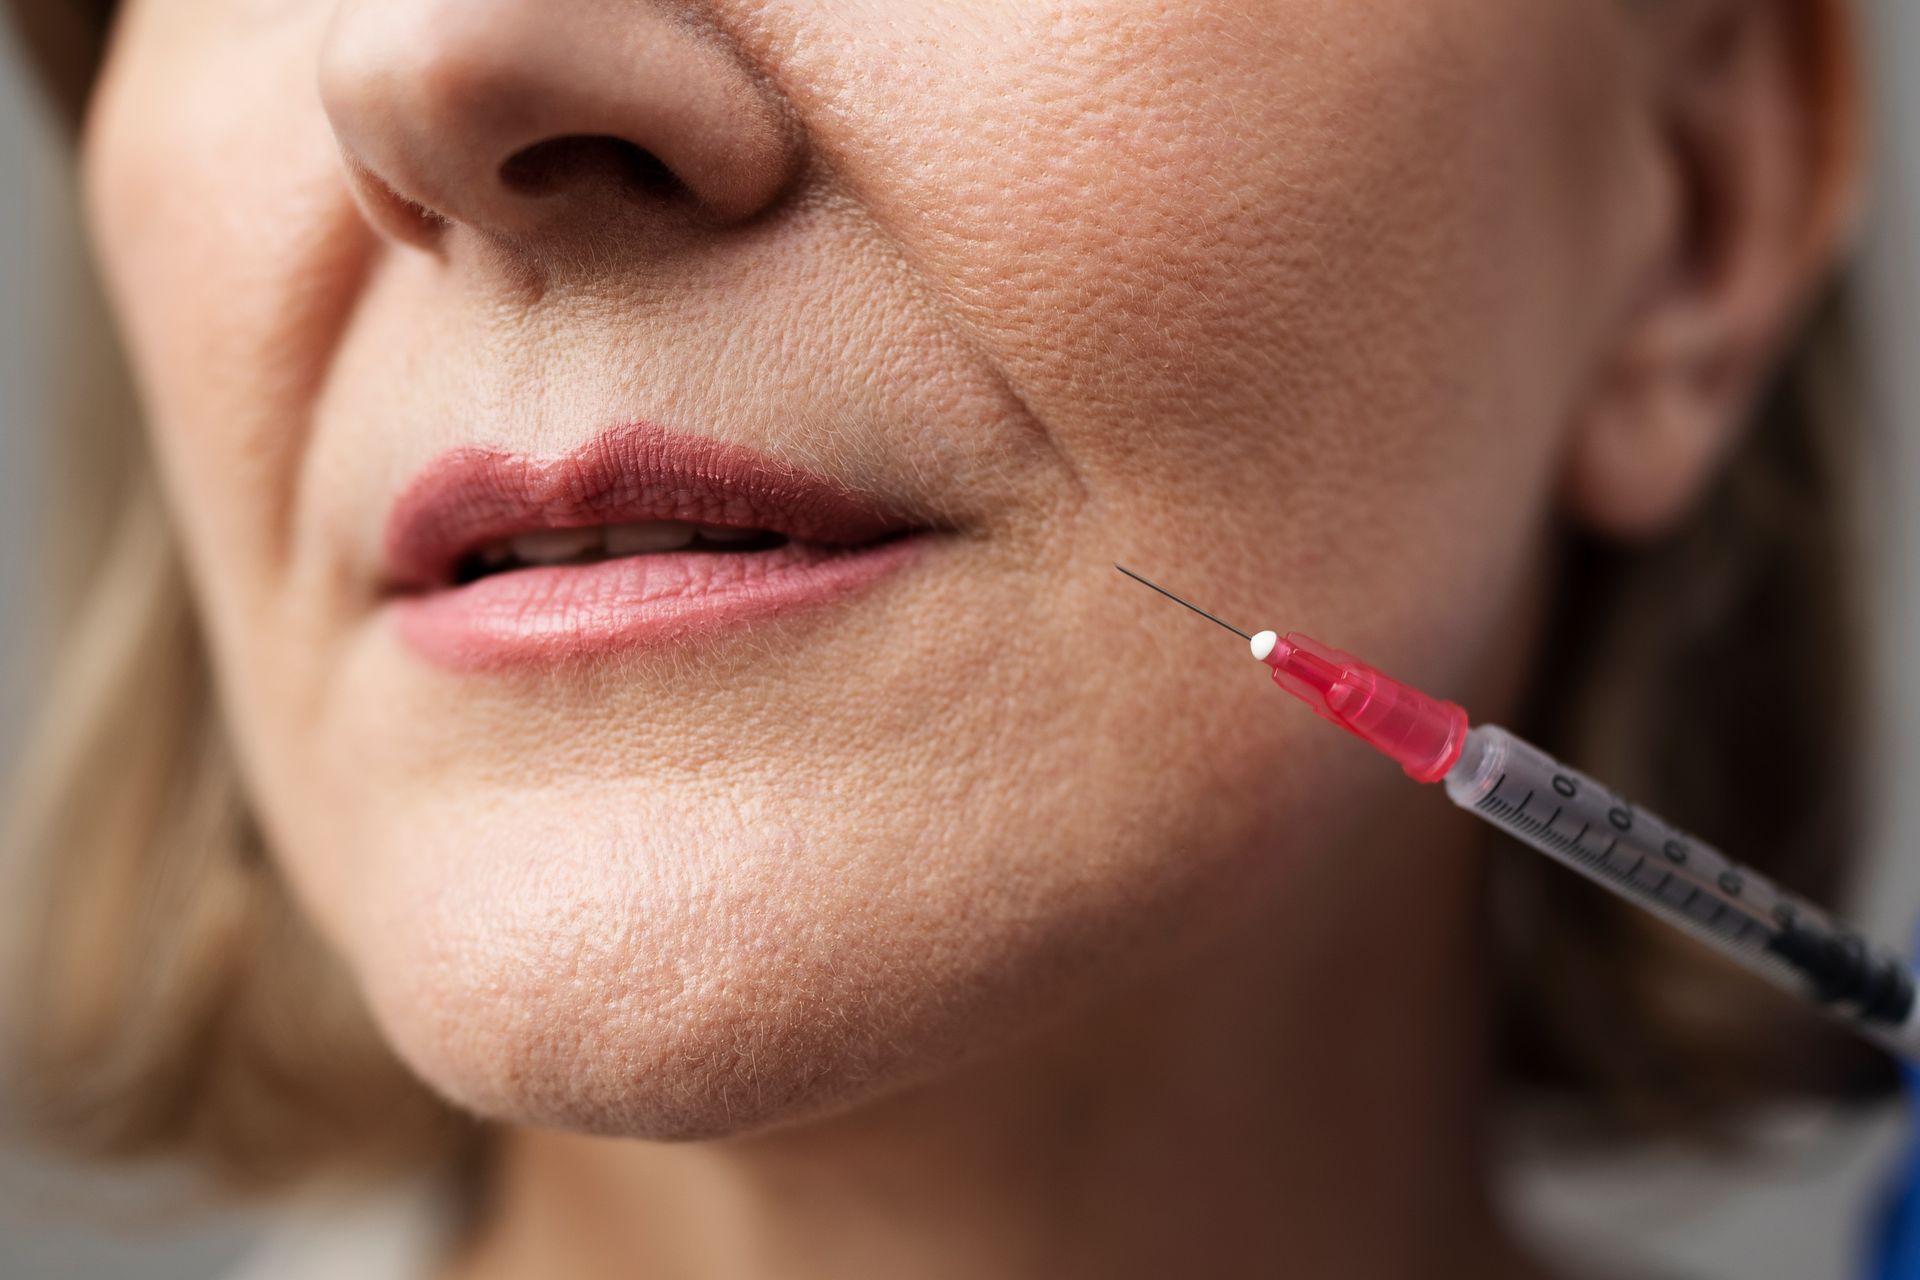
(995, 920)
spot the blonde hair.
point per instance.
(175, 1002)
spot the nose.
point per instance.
(510, 116)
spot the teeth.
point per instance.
(555, 546)
(718, 533)
(654, 535)
(593, 542)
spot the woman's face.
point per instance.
(1287, 303)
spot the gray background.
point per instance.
(1793, 1216)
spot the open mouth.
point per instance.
(640, 535)
(591, 544)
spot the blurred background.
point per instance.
(1793, 1211)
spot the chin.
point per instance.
(690, 989)
(688, 979)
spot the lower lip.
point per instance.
(563, 613)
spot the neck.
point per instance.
(1299, 1100)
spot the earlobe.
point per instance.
(1641, 457)
(1756, 123)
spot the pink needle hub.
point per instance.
(1423, 734)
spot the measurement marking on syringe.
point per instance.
(1543, 831)
(1692, 906)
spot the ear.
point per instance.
(1756, 118)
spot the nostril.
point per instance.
(559, 163)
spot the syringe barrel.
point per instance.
(1570, 817)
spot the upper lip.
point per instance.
(472, 496)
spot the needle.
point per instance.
(1177, 600)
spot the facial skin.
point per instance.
(1320, 313)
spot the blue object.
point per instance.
(1895, 1244)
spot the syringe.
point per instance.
(1519, 788)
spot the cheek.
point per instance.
(232, 255)
(1300, 276)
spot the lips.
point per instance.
(640, 536)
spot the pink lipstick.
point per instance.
(640, 536)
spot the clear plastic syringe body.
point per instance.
(1566, 815)
(1689, 883)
